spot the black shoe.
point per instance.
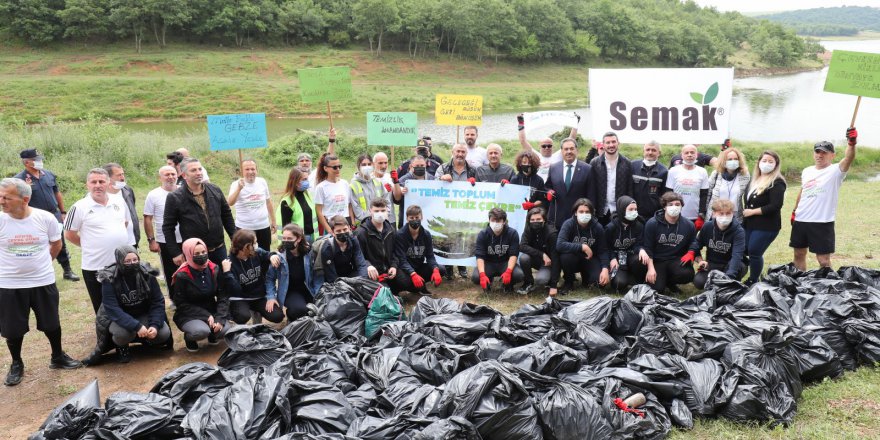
(123, 354)
(425, 292)
(16, 371)
(64, 362)
(449, 276)
(674, 289)
(96, 358)
(526, 289)
(69, 275)
(212, 339)
(168, 345)
(192, 346)
(565, 289)
(463, 273)
(508, 290)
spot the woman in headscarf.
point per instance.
(202, 306)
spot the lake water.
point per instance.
(772, 109)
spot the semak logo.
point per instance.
(669, 118)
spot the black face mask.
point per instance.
(200, 259)
(419, 171)
(536, 226)
(341, 236)
(423, 152)
(525, 169)
(130, 269)
(288, 245)
(414, 224)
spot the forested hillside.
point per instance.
(845, 20)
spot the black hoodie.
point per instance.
(663, 241)
(377, 247)
(572, 236)
(722, 247)
(497, 248)
(623, 235)
(414, 252)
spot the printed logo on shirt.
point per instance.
(670, 239)
(625, 243)
(415, 251)
(589, 241)
(132, 298)
(250, 275)
(812, 189)
(720, 246)
(498, 249)
(23, 245)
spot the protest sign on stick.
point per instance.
(325, 84)
(854, 73)
(390, 129)
(237, 131)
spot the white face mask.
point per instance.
(724, 221)
(689, 163)
(673, 211)
(631, 215)
(731, 165)
(649, 163)
(38, 164)
(380, 217)
(584, 218)
(766, 167)
(496, 226)
(118, 184)
(366, 171)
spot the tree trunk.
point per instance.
(156, 32)
(454, 43)
(164, 28)
(371, 44)
(379, 46)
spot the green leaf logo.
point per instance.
(698, 98)
(711, 94)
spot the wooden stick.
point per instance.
(391, 165)
(240, 163)
(329, 114)
(457, 132)
(855, 112)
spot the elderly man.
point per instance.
(691, 182)
(29, 240)
(118, 188)
(567, 182)
(495, 171)
(253, 204)
(98, 224)
(546, 154)
(649, 181)
(457, 170)
(154, 215)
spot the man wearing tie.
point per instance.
(567, 182)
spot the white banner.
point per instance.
(555, 119)
(671, 106)
(455, 212)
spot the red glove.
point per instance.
(520, 122)
(436, 278)
(550, 195)
(388, 187)
(851, 135)
(504, 182)
(417, 280)
(383, 277)
(506, 277)
(484, 281)
(725, 145)
(472, 181)
(688, 258)
(698, 223)
(394, 176)
(792, 218)
(527, 205)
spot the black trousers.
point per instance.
(403, 283)
(547, 275)
(633, 273)
(168, 266)
(241, 311)
(576, 263)
(93, 287)
(496, 270)
(218, 255)
(671, 272)
(264, 238)
(703, 275)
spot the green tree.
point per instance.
(301, 20)
(373, 18)
(165, 13)
(36, 21)
(84, 19)
(130, 18)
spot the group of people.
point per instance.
(614, 221)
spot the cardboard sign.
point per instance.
(389, 128)
(459, 110)
(229, 132)
(854, 73)
(324, 84)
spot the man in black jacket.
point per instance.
(649, 181)
(415, 254)
(612, 178)
(496, 250)
(569, 181)
(201, 211)
(538, 251)
(376, 237)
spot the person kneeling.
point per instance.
(376, 236)
(337, 256)
(293, 277)
(202, 306)
(538, 252)
(667, 238)
(626, 259)
(496, 250)
(244, 278)
(415, 254)
(725, 243)
(582, 248)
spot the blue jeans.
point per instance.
(757, 242)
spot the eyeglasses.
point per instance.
(335, 167)
(547, 146)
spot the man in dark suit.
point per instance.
(612, 178)
(568, 181)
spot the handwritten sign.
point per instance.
(537, 120)
(324, 84)
(387, 128)
(228, 132)
(459, 110)
(854, 73)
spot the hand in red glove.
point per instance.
(792, 218)
(383, 277)
(527, 205)
(388, 187)
(504, 182)
(472, 181)
(698, 223)
(550, 195)
(436, 278)
(851, 135)
(394, 176)
(688, 258)
(417, 280)
(520, 122)
(507, 277)
(484, 281)
(725, 145)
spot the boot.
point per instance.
(68, 273)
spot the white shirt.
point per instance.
(386, 179)
(154, 205)
(687, 184)
(101, 229)
(334, 197)
(130, 227)
(556, 157)
(544, 169)
(611, 187)
(819, 194)
(250, 207)
(727, 190)
(25, 261)
(313, 177)
(477, 157)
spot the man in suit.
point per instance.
(568, 181)
(612, 178)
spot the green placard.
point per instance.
(324, 84)
(391, 128)
(854, 73)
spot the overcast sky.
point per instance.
(781, 5)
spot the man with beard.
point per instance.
(476, 156)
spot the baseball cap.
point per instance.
(31, 153)
(824, 146)
(422, 143)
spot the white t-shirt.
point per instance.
(687, 184)
(477, 157)
(130, 227)
(385, 179)
(154, 205)
(819, 194)
(544, 169)
(250, 207)
(24, 250)
(334, 197)
(101, 229)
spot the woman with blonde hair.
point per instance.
(729, 181)
(762, 204)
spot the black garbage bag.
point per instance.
(862, 275)
(75, 417)
(680, 415)
(565, 410)
(815, 359)
(702, 382)
(453, 428)
(617, 317)
(306, 436)
(401, 427)
(526, 329)
(140, 416)
(328, 364)
(427, 306)
(865, 339)
(344, 304)
(490, 348)
(716, 333)
(544, 357)
(768, 352)
(308, 330)
(759, 395)
(600, 347)
(405, 395)
(727, 290)
(253, 346)
(361, 399)
(375, 365)
(761, 295)
(186, 384)
(593, 378)
(550, 306)
(655, 424)
(642, 295)
(317, 408)
(492, 397)
(823, 310)
(836, 338)
(436, 363)
(784, 276)
(464, 327)
(670, 337)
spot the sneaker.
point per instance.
(64, 362)
(526, 289)
(94, 359)
(565, 289)
(192, 346)
(123, 354)
(462, 272)
(508, 290)
(16, 371)
(70, 276)
(168, 345)
(425, 292)
(212, 339)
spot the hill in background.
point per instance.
(839, 21)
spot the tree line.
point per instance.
(666, 32)
(835, 21)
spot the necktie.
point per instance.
(568, 177)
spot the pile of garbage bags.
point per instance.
(602, 368)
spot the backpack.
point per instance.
(317, 250)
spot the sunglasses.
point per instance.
(335, 167)
(547, 146)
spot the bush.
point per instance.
(284, 151)
(338, 38)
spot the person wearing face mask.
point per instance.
(546, 155)
(422, 149)
(730, 180)
(626, 259)
(364, 188)
(132, 303)
(725, 243)
(494, 171)
(120, 191)
(288, 284)
(582, 248)
(649, 181)
(414, 248)
(244, 278)
(417, 171)
(304, 163)
(376, 238)
(526, 165)
(202, 305)
(339, 256)
(667, 238)
(612, 177)
(538, 252)
(691, 182)
(296, 205)
(496, 250)
(568, 182)
(762, 204)
(45, 195)
(252, 201)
